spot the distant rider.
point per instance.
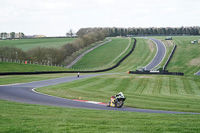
(78, 74)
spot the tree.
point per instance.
(12, 35)
(70, 33)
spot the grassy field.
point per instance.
(18, 118)
(26, 44)
(104, 56)
(19, 67)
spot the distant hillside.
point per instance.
(18, 67)
(26, 44)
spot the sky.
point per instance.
(56, 17)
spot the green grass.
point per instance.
(103, 56)
(174, 93)
(26, 44)
(18, 118)
(18, 67)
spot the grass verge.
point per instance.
(18, 118)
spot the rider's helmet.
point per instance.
(121, 94)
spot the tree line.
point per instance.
(61, 56)
(12, 35)
(151, 31)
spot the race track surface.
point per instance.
(161, 51)
(24, 93)
(198, 73)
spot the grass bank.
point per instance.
(18, 118)
(104, 56)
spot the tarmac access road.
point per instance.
(161, 51)
(24, 93)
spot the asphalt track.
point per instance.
(161, 51)
(24, 93)
(197, 73)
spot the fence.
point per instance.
(45, 63)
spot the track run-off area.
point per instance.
(25, 93)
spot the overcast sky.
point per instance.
(56, 17)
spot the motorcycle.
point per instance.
(117, 100)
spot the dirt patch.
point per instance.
(195, 62)
(168, 43)
(144, 77)
(125, 77)
(151, 45)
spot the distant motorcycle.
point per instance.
(117, 100)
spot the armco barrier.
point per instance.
(167, 62)
(51, 72)
(158, 73)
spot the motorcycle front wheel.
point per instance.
(119, 104)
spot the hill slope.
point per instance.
(26, 44)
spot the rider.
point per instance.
(113, 98)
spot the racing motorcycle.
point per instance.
(117, 100)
